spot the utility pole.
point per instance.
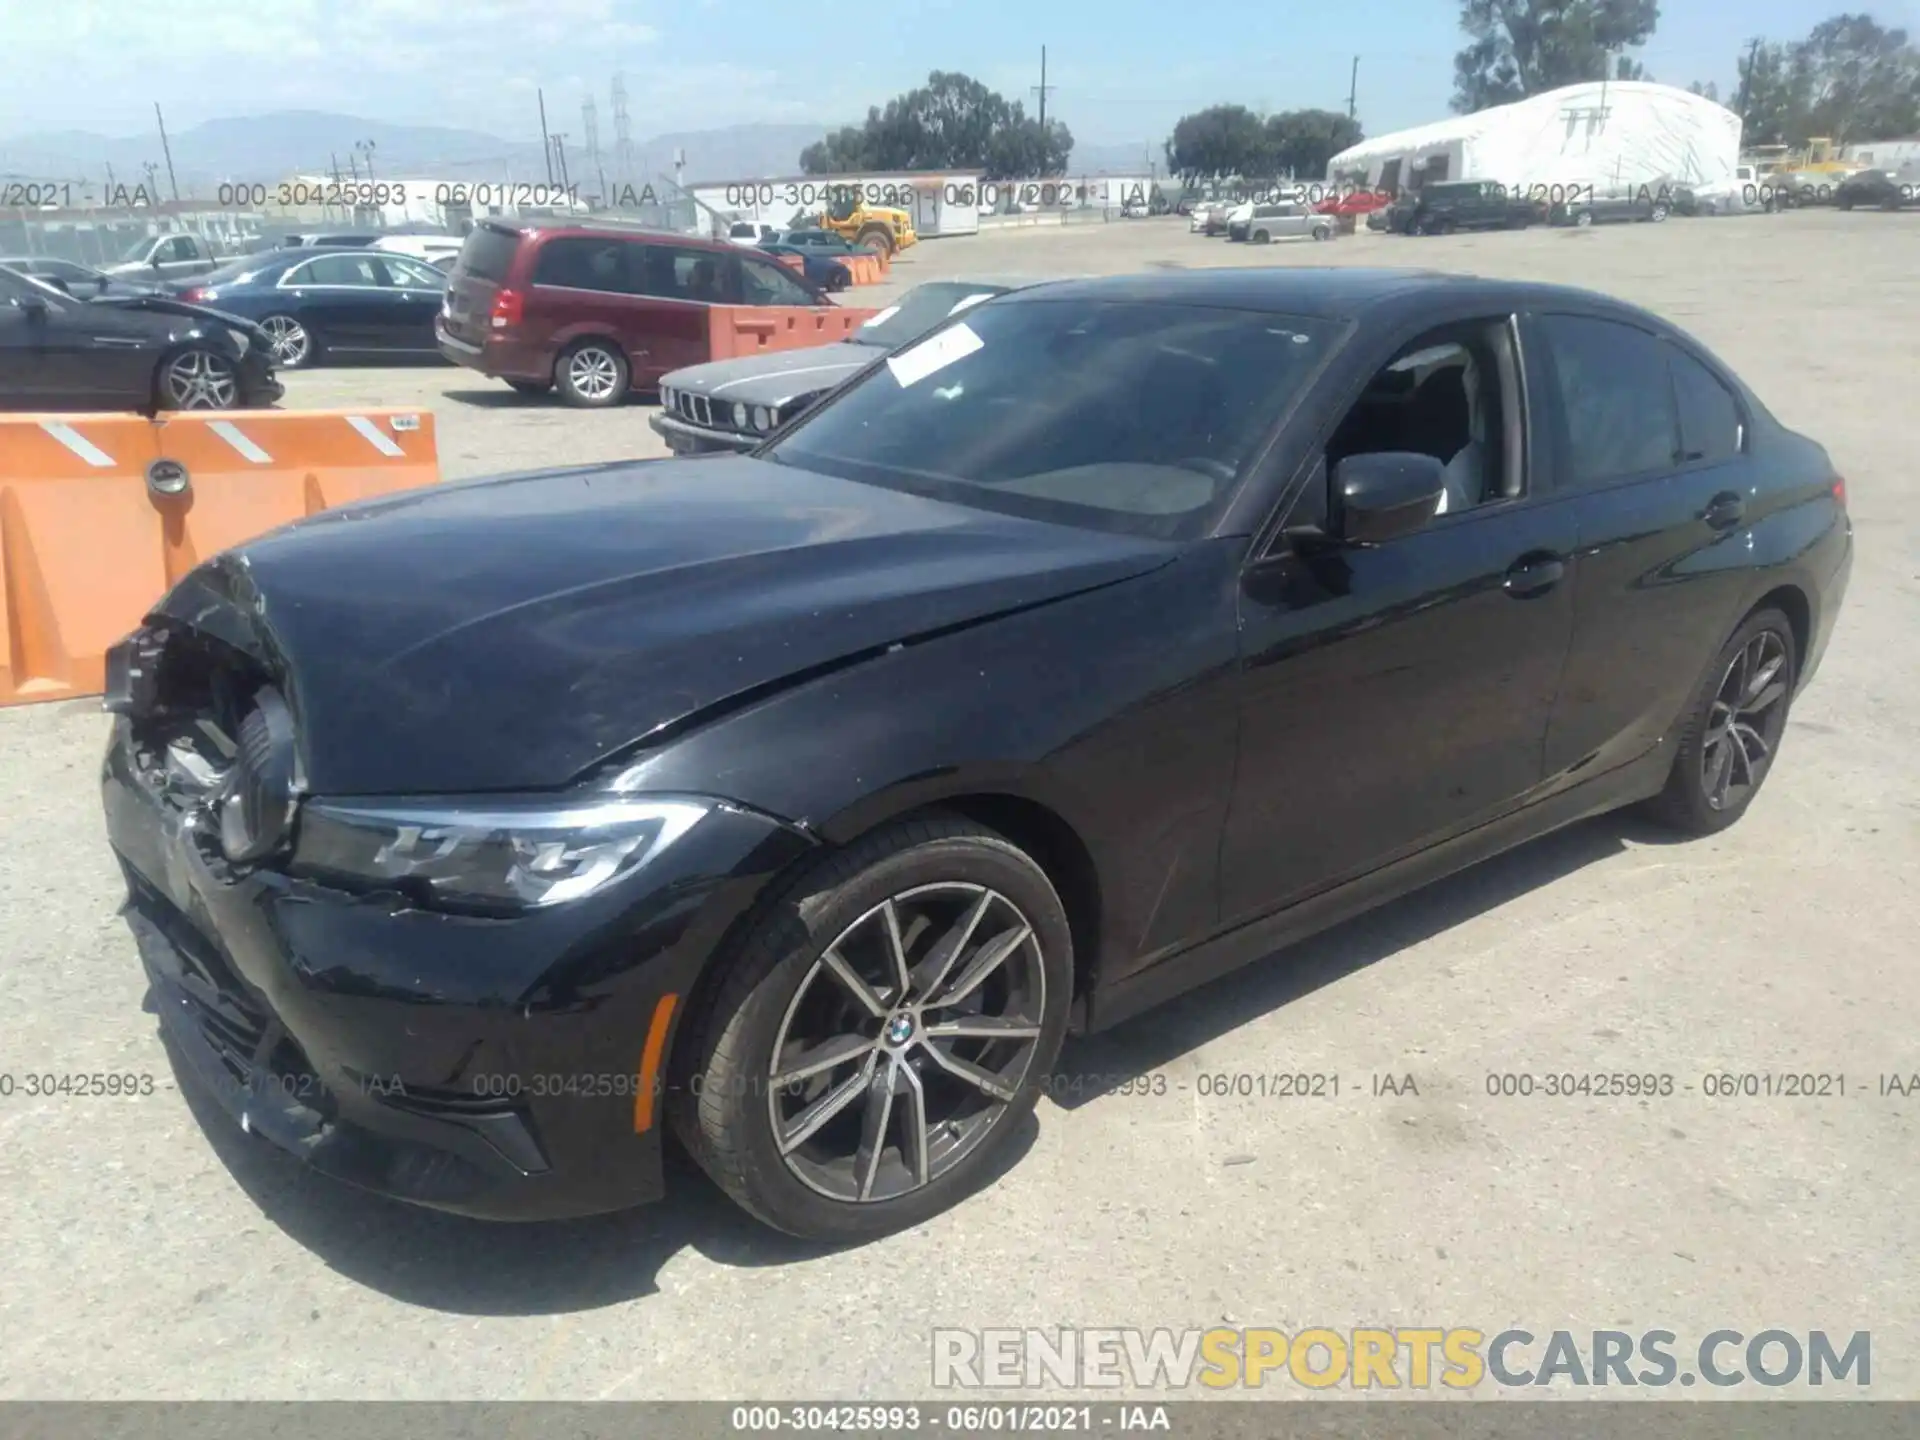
(1353, 88)
(1042, 88)
(560, 156)
(546, 141)
(166, 149)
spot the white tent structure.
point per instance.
(1615, 136)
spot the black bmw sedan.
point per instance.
(340, 305)
(1113, 635)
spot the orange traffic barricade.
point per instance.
(100, 514)
(734, 330)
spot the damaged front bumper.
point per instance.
(494, 1067)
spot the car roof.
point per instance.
(1324, 292)
(542, 230)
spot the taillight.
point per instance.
(1840, 491)
(507, 307)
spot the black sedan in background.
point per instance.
(83, 282)
(341, 304)
(1875, 190)
(735, 404)
(136, 352)
(1109, 637)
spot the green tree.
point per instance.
(1217, 143)
(1300, 142)
(1518, 48)
(1707, 91)
(953, 122)
(1772, 96)
(1862, 80)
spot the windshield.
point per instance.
(1130, 416)
(137, 252)
(920, 309)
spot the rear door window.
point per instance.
(704, 277)
(1615, 399)
(336, 270)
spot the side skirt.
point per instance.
(1257, 939)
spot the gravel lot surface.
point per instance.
(152, 1251)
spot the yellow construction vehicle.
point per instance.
(1806, 176)
(881, 229)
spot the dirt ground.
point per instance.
(150, 1251)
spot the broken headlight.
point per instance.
(494, 854)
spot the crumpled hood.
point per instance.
(776, 377)
(162, 304)
(512, 633)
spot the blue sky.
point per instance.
(1124, 69)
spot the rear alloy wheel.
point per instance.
(592, 374)
(198, 379)
(290, 341)
(1583, 219)
(1733, 730)
(1659, 214)
(880, 1034)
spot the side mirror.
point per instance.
(1383, 496)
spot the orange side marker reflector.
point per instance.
(644, 1096)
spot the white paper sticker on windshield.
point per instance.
(954, 343)
(970, 302)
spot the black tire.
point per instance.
(592, 374)
(875, 238)
(1688, 802)
(1261, 237)
(721, 1102)
(838, 280)
(531, 387)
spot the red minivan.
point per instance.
(596, 311)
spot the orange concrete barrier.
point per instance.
(734, 330)
(864, 269)
(89, 541)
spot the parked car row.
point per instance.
(596, 313)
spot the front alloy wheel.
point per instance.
(894, 1059)
(198, 379)
(871, 1047)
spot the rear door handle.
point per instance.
(1532, 575)
(1725, 510)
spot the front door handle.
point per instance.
(1532, 575)
(1725, 510)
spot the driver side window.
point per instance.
(1453, 394)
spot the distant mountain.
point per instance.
(272, 147)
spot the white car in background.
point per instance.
(439, 251)
(746, 232)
